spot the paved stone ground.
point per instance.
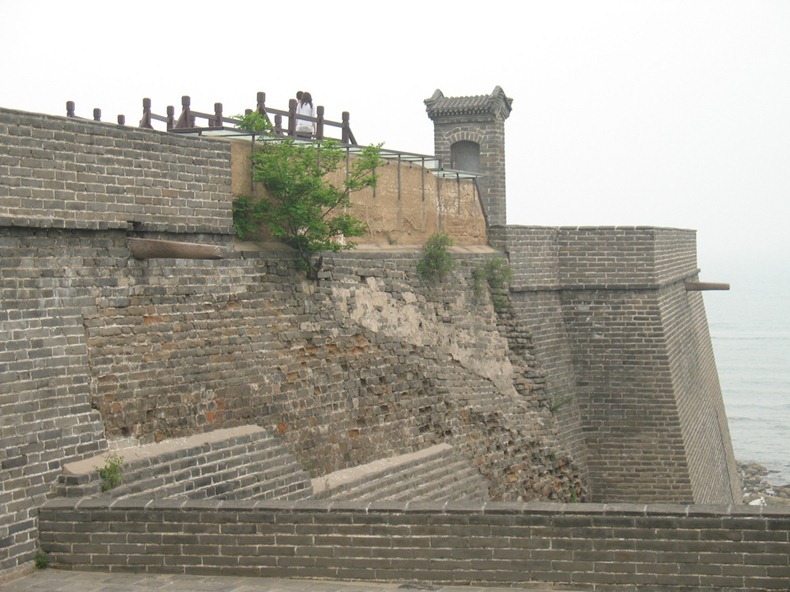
(54, 580)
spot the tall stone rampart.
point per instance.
(99, 346)
(601, 366)
(628, 359)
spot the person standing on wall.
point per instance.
(305, 107)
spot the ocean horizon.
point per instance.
(750, 333)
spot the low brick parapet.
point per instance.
(58, 172)
(613, 547)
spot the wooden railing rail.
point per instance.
(196, 121)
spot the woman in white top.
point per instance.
(305, 107)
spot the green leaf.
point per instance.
(306, 211)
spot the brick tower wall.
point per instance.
(488, 131)
(628, 358)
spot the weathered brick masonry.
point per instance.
(73, 174)
(361, 367)
(587, 546)
(368, 363)
(614, 325)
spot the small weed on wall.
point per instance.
(496, 274)
(111, 474)
(436, 260)
(42, 560)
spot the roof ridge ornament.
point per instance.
(497, 103)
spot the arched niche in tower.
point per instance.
(465, 156)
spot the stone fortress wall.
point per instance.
(615, 326)
(102, 347)
(598, 381)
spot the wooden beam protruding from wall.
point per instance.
(705, 286)
(146, 248)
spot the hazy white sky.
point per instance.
(639, 112)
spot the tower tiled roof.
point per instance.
(496, 103)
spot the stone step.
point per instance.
(337, 483)
(432, 474)
(412, 482)
(208, 465)
(288, 482)
(152, 461)
(445, 484)
(279, 474)
(211, 474)
(471, 487)
(436, 486)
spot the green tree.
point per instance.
(305, 209)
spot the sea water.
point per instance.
(750, 331)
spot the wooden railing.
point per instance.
(189, 121)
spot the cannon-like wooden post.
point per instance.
(70, 109)
(705, 286)
(144, 248)
(122, 120)
(96, 114)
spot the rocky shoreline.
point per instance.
(756, 486)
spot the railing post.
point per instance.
(146, 120)
(70, 109)
(217, 114)
(292, 117)
(185, 120)
(319, 126)
(278, 124)
(348, 137)
(346, 133)
(171, 117)
(261, 103)
(122, 120)
(96, 114)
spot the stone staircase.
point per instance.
(236, 463)
(248, 463)
(436, 474)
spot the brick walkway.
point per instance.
(53, 580)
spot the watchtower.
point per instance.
(469, 134)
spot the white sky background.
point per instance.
(641, 112)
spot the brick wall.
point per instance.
(67, 173)
(488, 131)
(700, 405)
(45, 384)
(627, 353)
(619, 547)
(366, 364)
